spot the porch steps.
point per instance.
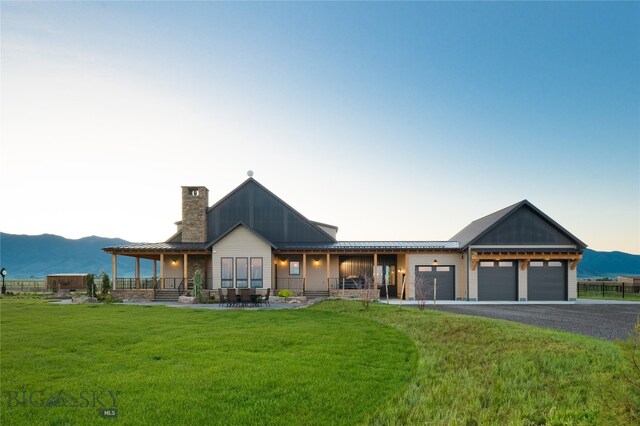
(316, 293)
(167, 295)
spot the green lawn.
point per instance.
(333, 363)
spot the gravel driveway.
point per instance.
(599, 320)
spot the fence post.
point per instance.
(603, 289)
(623, 290)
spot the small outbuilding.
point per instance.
(67, 281)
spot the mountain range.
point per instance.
(35, 256)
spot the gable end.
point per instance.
(525, 226)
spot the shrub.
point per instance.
(285, 293)
(106, 282)
(91, 285)
(197, 284)
(105, 297)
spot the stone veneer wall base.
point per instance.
(138, 295)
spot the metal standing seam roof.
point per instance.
(527, 250)
(372, 245)
(478, 226)
(159, 247)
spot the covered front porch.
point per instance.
(339, 274)
(173, 266)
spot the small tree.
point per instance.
(91, 285)
(197, 284)
(423, 292)
(106, 282)
(368, 285)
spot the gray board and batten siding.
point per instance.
(519, 224)
(524, 227)
(265, 213)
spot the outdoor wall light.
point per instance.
(435, 262)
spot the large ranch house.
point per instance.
(253, 239)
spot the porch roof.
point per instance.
(347, 246)
(527, 250)
(158, 247)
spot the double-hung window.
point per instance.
(242, 272)
(256, 272)
(226, 272)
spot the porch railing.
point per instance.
(134, 283)
(172, 283)
(169, 283)
(292, 284)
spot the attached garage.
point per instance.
(547, 280)
(442, 276)
(497, 280)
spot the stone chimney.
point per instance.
(195, 201)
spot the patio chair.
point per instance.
(265, 299)
(255, 297)
(221, 299)
(245, 296)
(231, 297)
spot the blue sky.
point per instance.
(394, 121)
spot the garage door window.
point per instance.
(486, 264)
(425, 268)
(536, 264)
(443, 269)
(505, 264)
(555, 264)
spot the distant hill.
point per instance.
(35, 256)
(608, 264)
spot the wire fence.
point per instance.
(608, 290)
(26, 286)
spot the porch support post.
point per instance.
(328, 273)
(161, 270)
(304, 271)
(184, 271)
(114, 269)
(155, 271)
(375, 270)
(137, 272)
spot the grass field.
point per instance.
(333, 363)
